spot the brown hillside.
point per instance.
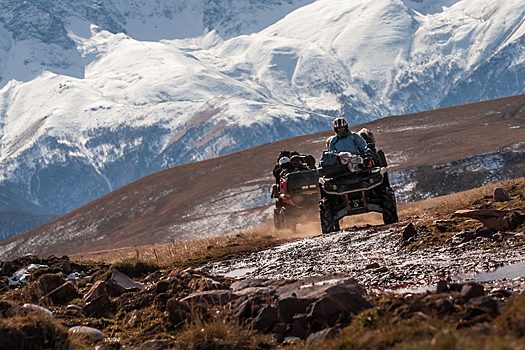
(164, 206)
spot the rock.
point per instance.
(279, 329)
(469, 236)
(73, 309)
(444, 307)
(49, 282)
(323, 293)
(155, 344)
(409, 232)
(97, 290)
(442, 287)
(491, 218)
(260, 287)
(266, 318)
(483, 232)
(500, 195)
(334, 304)
(247, 307)
(301, 327)
(210, 298)
(92, 332)
(485, 302)
(501, 293)
(292, 340)
(318, 338)
(38, 310)
(97, 307)
(119, 284)
(471, 290)
(63, 294)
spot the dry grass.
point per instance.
(195, 252)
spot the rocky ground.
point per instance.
(452, 276)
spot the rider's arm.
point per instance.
(331, 147)
(361, 144)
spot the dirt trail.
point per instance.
(376, 257)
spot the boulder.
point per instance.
(38, 310)
(73, 309)
(266, 318)
(49, 282)
(97, 290)
(325, 296)
(336, 303)
(260, 287)
(471, 290)
(485, 302)
(500, 195)
(119, 284)
(491, 218)
(409, 232)
(317, 338)
(63, 294)
(92, 332)
(442, 287)
(444, 307)
(301, 326)
(97, 307)
(279, 329)
(247, 307)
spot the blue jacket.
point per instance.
(353, 143)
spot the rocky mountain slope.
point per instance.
(430, 153)
(97, 94)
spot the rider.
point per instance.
(346, 140)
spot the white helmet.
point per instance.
(284, 160)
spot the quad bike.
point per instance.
(297, 197)
(352, 188)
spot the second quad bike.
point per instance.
(297, 196)
(350, 189)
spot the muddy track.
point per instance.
(377, 258)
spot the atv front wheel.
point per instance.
(286, 220)
(328, 224)
(276, 219)
(389, 207)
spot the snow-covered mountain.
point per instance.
(96, 94)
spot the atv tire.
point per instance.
(276, 219)
(328, 224)
(389, 207)
(286, 220)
